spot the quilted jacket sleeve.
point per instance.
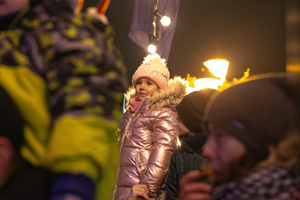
(165, 130)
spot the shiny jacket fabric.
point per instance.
(148, 139)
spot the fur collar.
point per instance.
(171, 95)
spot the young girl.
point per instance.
(150, 128)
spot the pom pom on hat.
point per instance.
(154, 68)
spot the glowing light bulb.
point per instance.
(165, 21)
(151, 48)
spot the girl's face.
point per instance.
(222, 148)
(144, 87)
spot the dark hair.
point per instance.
(242, 165)
(34, 2)
(11, 123)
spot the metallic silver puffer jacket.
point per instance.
(148, 139)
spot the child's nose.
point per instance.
(143, 86)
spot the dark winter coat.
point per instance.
(185, 158)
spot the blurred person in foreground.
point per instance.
(188, 156)
(18, 178)
(67, 79)
(252, 146)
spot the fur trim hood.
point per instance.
(171, 95)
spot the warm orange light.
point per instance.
(102, 6)
(79, 6)
(218, 67)
(203, 83)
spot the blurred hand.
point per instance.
(139, 190)
(191, 190)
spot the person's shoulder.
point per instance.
(169, 108)
(166, 111)
(179, 153)
(178, 150)
(50, 16)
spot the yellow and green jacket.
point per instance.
(67, 79)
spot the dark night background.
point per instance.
(248, 33)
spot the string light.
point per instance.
(153, 42)
(164, 20)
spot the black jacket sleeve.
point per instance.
(172, 187)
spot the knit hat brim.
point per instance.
(191, 109)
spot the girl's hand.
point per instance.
(191, 190)
(139, 190)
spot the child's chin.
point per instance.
(142, 97)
